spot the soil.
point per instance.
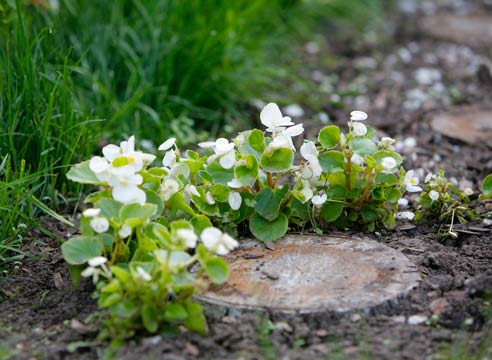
(402, 83)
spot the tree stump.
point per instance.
(310, 273)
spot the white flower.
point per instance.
(97, 261)
(101, 168)
(402, 202)
(272, 118)
(124, 182)
(168, 188)
(357, 159)
(405, 215)
(235, 200)
(169, 158)
(319, 200)
(411, 182)
(234, 183)
(310, 154)
(166, 145)
(215, 240)
(209, 198)
(223, 149)
(429, 177)
(143, 275)
(359, 129)
(187, 236)
(306, 191)
(434, 195)
(91, 212)
(388, 163)
(343, 139)
(387, 143)
(191, 190)
(125, 231)
(357, 115)
(99, 224)
(136, 159)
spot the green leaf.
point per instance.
(135, 214)
(154, 198)
(109, 208)
(336, 192)
(177, 202)
(196, 319)
(386, 179)
(330, 211)
(268, 203)
(246, 169)
(98, 195)
(363, 146)
(149, 318)
(200, 223)
(389, 221)
(175, 312)
(487, 185)
(217, 270)
(277, 159)
(392, 195)
(219, 174)
(81, 173)
(329, 136)
(266, 230)
(331, 161)
(78, 250)
(381, 154)
(220, 192)
(368, 213)
(256, 140)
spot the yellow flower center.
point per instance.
(413, 181)
(131, 159)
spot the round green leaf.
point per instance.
(266, 230)
(149, 318)
(277, 159)
(331, 161)
(487, 185)
(79, 250)
(330, 211)
(268, 203)
(175, 312)
(329, 136)
(363, 146)
(217, 270)
(256, 140)
(81, 173)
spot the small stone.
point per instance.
(312, 48)
(229, 320)
(152, 341)
(417, 319)
(437, 306)
(321, 333)
(400, 319)
(283, 326)
(321, 348)
(58, 280)
(270, 245)
(355, 317)
(427, 76)
(294, 110)
(271, 274)
(191, 349)
(80, 327)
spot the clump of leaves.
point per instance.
(443, 202)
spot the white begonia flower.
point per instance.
(187, 237)
(101, 168)
(91, 212)
(343, 139)
(136, 159)
(166, 145)
(357, 159)
(434, 195)
(272, 118)
(99, 224)
(306, 191)
(168, 188)
(359, 129)
(235, 184)
(468, 192)
(235, 200)
(429, 177)
(209, 198)
(387, 143)
(125, 185)
(402, 202)
(97, 261)
(125, 231)
(191, 190)
(217, 241)
(169, 158)
(142, 274)
(411, 182)
(405, 215)
(223, 149)
(358, 115)
(388, 163)
(313, 167)
(319, 200)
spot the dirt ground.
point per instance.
(402, 83)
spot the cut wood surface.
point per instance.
(310, 273)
